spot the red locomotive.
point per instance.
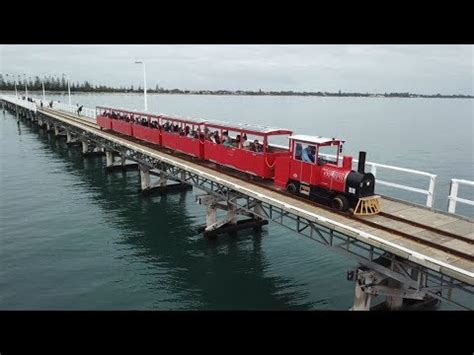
(307, 171)
(304, 168)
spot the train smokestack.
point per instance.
(361, 167)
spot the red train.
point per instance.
(304, 168)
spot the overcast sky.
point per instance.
(356, 68)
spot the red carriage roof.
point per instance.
(315, 139)
(254, 129)
(248, 128)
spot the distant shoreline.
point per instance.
(240, 93)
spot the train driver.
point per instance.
(309, 153)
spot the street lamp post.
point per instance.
(42, 84)
(19, 81)
(26, 89)
(144, 82)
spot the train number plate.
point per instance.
(304, 189)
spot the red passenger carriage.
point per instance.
(103, 117)
(244, 154)
(116, 120)
(143, 126)
(183, 135)
(149, 132)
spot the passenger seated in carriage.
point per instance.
(215, 138)
(236, 142)
(256, 147)
(228, 142)
(245, 142)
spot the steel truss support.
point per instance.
(58, 131)
(228, 223)
(70, 138)
(162, 185)
(370, 284)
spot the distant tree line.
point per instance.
(60, 84)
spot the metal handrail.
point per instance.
(453, 194)
(429, 192)
(23, 103)
(86, 112)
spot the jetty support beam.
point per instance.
(162, 185)
(118, 164)
(229, 223)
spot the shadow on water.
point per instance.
(226, 273)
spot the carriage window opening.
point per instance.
(252, 143)
(230, 139)
(212, 135)
(277, 143)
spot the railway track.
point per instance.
(399, 221)
(429, 228)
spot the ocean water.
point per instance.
(75, 237)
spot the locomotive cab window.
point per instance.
(328, 154)
(298, 151)
(305, 152)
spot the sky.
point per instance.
(421, 69)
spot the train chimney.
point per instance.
(361, 167)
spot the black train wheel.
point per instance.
(340, 203)
(291, 188)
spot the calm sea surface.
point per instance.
(75, 237)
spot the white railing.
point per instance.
(23, 103)
(453, 194)
(429, 192)
(86, 112)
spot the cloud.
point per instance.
(364, 68)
